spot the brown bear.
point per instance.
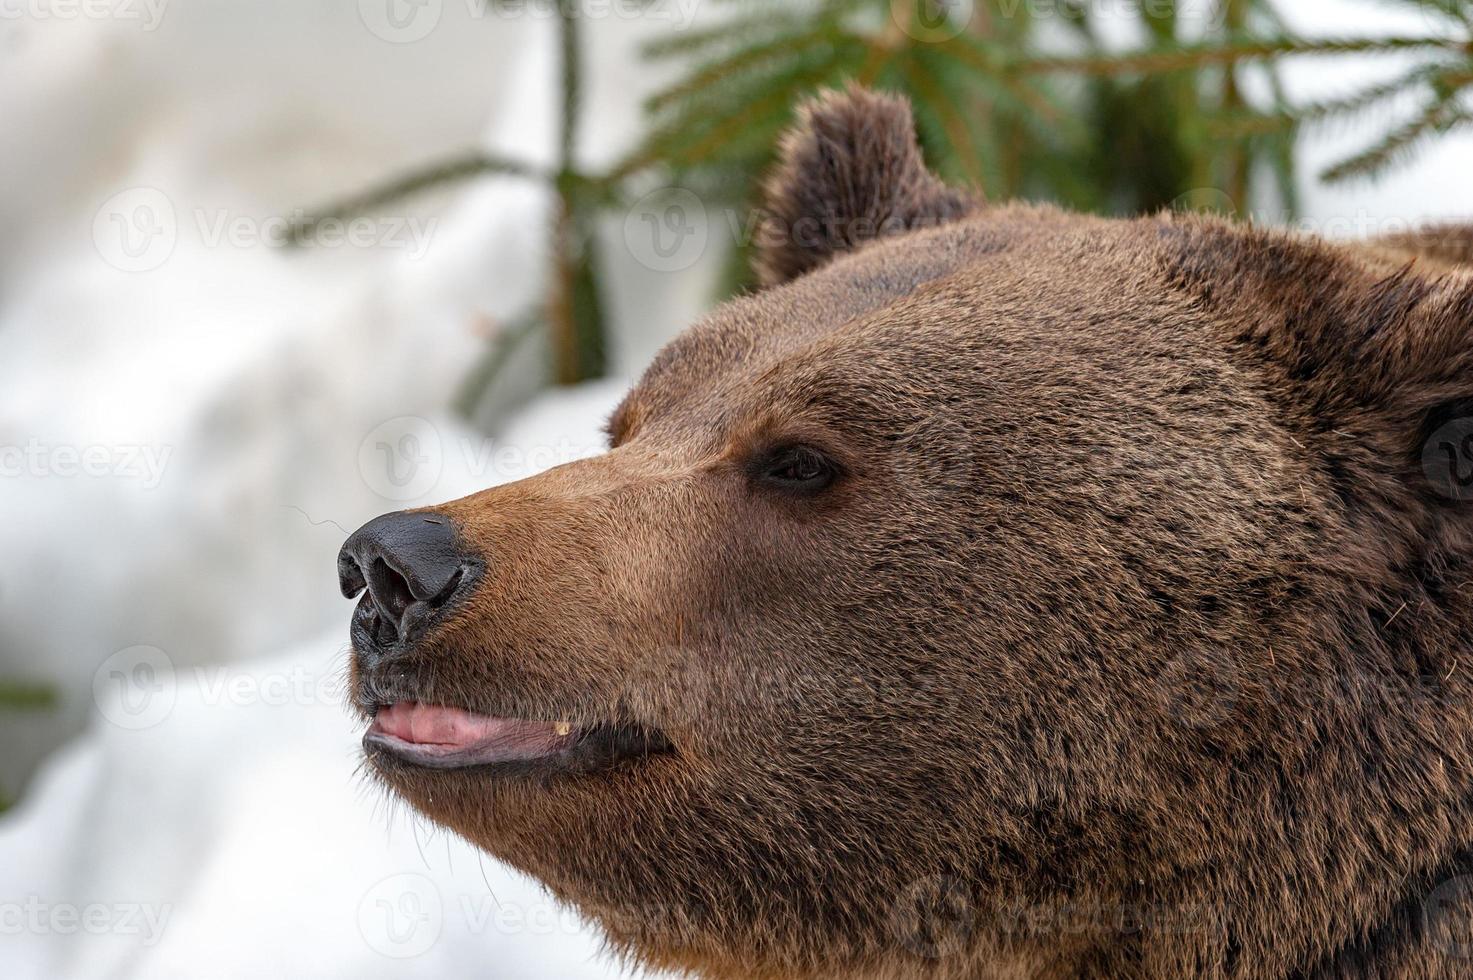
(998, 592)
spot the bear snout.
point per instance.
(411, 568)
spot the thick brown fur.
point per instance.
(1132, 640)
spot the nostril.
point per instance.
(350, 577)
(390, 591)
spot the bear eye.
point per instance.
(798, 469)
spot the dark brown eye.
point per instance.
(797, 469)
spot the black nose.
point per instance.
(412, 567)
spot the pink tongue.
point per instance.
(429, 724)
(440, 732)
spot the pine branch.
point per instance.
(1441, 116)
(1196, 56)
(777, 104)
(493, 360)
(979, 58)
(450, 171)
(751, 56)
(772, 21)
(717, 126)
(1250, 124)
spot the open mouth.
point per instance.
(440, 737)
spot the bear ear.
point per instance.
(849, 172)
(1369, 349)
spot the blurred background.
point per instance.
(270, 268)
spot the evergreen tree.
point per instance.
(1006, 99)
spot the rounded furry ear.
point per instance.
(849, 172)
(1368, 354)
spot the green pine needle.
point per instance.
(451, 171)
(1190, 57)
(1440, 117)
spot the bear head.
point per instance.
(998, 591)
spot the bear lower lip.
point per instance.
(441, 737)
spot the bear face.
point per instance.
(998, 592)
